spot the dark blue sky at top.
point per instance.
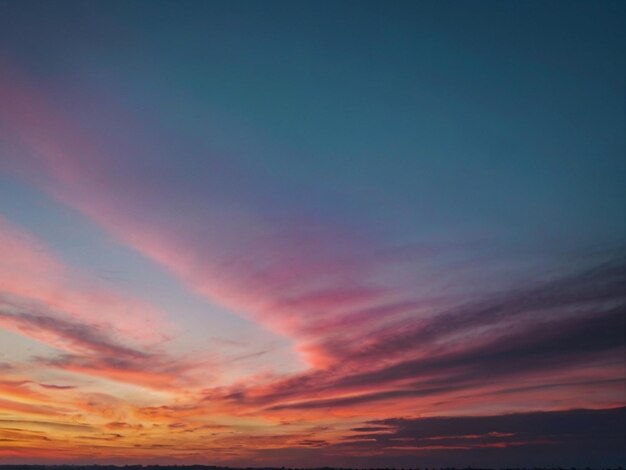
(504, 118)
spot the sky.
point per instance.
(313, 233)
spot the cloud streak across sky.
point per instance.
(364, 293)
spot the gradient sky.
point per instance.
(313, 233)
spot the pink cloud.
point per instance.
(31, 275)
(372, 343)
(299, 277)
(101, 332)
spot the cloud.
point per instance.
(559, 327)
(570, 424)
(558, 438)
(98, 332)
(90, 349)
(31, 276)
(45, 424)
(298, 273)
(565, 438)
(156, 371)
(65, 334)
(380, 336)
(93, 353)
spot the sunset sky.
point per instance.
(311, 233)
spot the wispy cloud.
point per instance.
(560, 326)
(385, 328)
(97, 331)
